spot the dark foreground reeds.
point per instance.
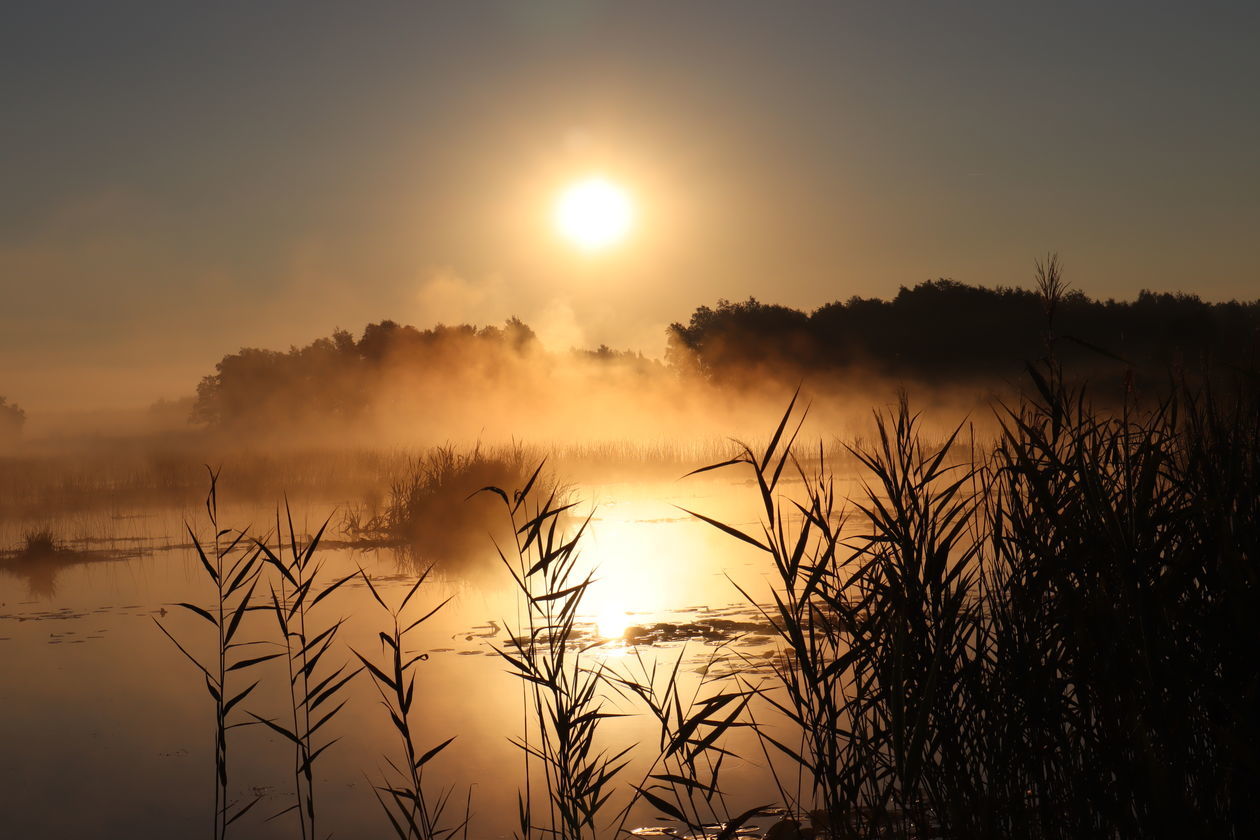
(1053, 639)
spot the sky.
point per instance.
(179, 180)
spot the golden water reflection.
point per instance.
(91, 686)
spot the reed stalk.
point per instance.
(232, 569)
(315, 694)
(564, 707)
(411, 811)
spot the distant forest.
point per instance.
(944, 330)
(339, 378)
(939, 332)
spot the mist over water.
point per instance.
(400, 454)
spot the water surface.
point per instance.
(108, 731)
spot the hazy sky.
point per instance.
(181, 179)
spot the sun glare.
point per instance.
(612, 622)
(594, 213)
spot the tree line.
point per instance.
(940, 332)
(337, 377)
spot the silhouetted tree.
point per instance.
(737, 336)
(12, 419)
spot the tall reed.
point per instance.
(411, 811)
(232, 568)
(564, 707)
(828, 626)
(314, 694)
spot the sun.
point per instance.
(594, 213)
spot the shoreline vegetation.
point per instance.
(372, 483)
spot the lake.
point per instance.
(108, 730)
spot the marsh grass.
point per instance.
(123, 475)
(411, 810)
(44, 553)
(128, 475)
(433, 506)
(38, 543)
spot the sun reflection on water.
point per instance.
(611, 623)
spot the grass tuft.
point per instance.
(37, 543)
